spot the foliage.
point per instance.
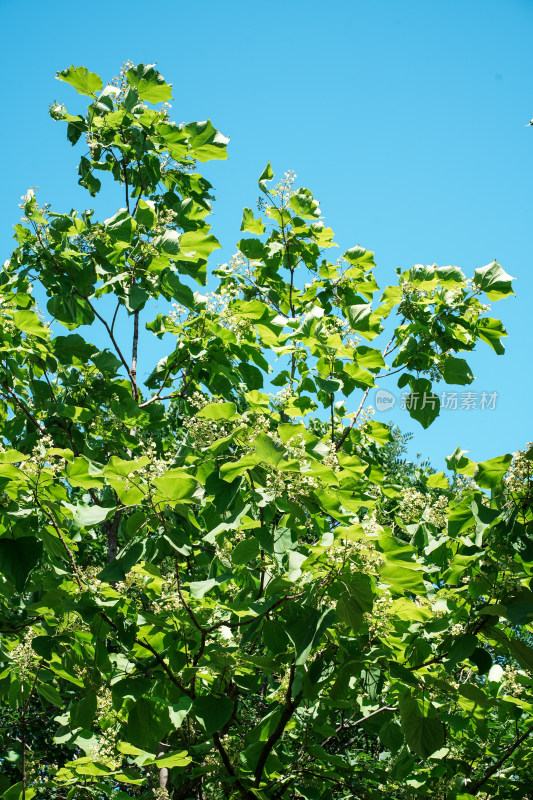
(213, 591)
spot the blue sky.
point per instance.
(407, 120)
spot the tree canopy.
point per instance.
(223, 580)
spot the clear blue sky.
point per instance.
(407, 120)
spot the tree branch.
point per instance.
(290, 707)
(474, 788)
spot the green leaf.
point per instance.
(494, 281)
(83, 711)
(18, 557)
(456, 371)
(438, 480)
(523, 654)
(146, 214)
(267, 450)
(253, 249)
(212, 712)
(250, 223)
(71, 310)
(488, 474)
(304, 204)
(490, 331)
(378, 431)
(121, 227)
(29, 322)
(461, 648)
(422, 403)
(245, 551)
(85, 516)
(216, 411)
(356, 600)
(176, 485)
(16, 792)
(199, 588)
(205, 141)
(304, 627)
(197, 244)
(391, 736)
(148, 723)
(265, 176)
(423, 734)
(149, 83)
(82, 80)
(359, 257)
(72, 349)
(178, 759)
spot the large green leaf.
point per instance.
(422, 403)
(18, 557)
(148, 723)
(424, 734)
(19, 792)
(456, 370)
(489, 473)
(493, 280)
(206, 142)
(82, 80)
(150, 84)
(176, 485)
(212, 712)
(29, 322)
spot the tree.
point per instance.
(213, 591)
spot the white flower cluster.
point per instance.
(371, 525)
(292, 484)
(23, 654)
(457, 629)
(40, 459)
(331, 459)
(360, 555)
(90, 581)
(289, 484)
(412, 505)
(204, 432)
(335, 326)
(379, 618)
(416, 506)
(131, 579)
(178, 314)
(282, 398)
(519, 477)
(156, 467)
(283, 190)
(104, 750)
(510, 683)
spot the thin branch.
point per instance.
(349, 427)
(358, 721)
(157, 396)
(63, 542)
(361, 404)
(133, 368)
(474, 788)
(186, 606)
(110, 332)
(290, 707)
(229, 768)
(23, 408)
(28, 624)
(161, 660)
(115, 316)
